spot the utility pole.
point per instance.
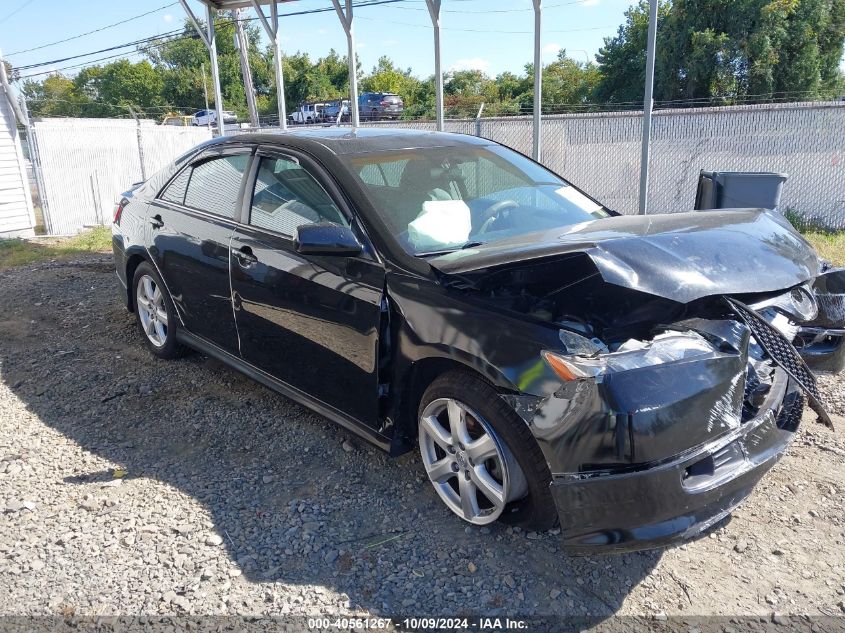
(243, 47)
(10, 95)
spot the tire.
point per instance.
(525, 479)
(159, 333)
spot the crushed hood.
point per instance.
(679, 256)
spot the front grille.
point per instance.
(790, 415)
(783, 353)
(758, 382)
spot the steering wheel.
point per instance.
(493, 212)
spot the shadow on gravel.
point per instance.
(294, 498)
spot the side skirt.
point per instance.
(347, 422)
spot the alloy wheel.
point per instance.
(151, 310)
(471, 469)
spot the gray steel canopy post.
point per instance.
(346, 21)
(208, 38)
(242, 45)
(538, 80)
(215, 71)
(273, 33)
(434, 12)
(648, 103)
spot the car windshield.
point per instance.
(436, 200)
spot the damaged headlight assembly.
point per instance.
(591, 359)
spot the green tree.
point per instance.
(728, 51)
(180, 61)
(386, 77)
(122, 85)
(55, 96)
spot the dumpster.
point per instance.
(738, 189)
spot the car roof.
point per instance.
(345, 140)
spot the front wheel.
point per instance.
(155, 312)
(481, 457)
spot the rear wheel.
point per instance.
(156, 314)
(480, 456)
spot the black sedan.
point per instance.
(631, 378)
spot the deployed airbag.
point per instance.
(441, 223)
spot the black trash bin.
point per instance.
(738, 189)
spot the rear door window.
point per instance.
(215, 184)
(175, 191)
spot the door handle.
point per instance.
(244, 256)
(156, 221)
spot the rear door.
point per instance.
(190, 224)
(310, 321)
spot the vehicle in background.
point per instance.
(179, 120)
(380, 105)
(307, 113)
(331, 110)
(209, 117)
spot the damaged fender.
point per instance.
(643, 415)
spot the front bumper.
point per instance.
(678, 498)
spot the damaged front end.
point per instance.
(657, 440)
(821, 341)
(676, 384)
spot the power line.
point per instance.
(483, 11)
(83, 64)
(147, 40)
(102, 28)
(447, 28)
(18, 10)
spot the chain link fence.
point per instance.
(85, 163)
(600, 152)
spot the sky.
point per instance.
(490, 35)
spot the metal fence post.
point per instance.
(478, 119)
(35, 159)
(139, 141)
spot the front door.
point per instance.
(189, 227)
(310, 321)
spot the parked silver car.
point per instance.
(209, 117)
(380, 105)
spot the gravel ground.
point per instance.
(130, 485)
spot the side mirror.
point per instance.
(327, 239)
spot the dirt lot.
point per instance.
(130, 485)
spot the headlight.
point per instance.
(668, 347)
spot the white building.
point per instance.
(17, 218)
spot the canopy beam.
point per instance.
(272, 31)
(648, 104)
(346, 22)
(208, 37)
(538, 81)
(434, 12)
